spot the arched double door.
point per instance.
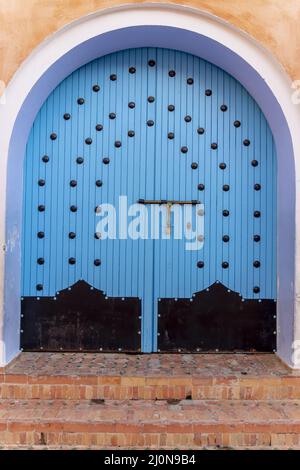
(128, 136)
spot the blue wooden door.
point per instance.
(156, 125)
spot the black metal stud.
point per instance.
(194, 166)
(73, 208)
(222, 166)
(41, 208)
(79, 160)
(190, 81)
(96, 88)
(67, 116)
(256, 264)
(45, 159)
(256, 290)
(40, 261)
(254, 163)
(53, 136)
(246, 142)
(226, 187)
(131, 105)
(97, 262)
(172, 73)
(200, 264)
(223, 108)
(256, 214)
(171, 107)
(41, 182)
(80, 101)
(99, 127)
(171, 135)
(225, 213)
(184, 149)
(214, 146)
(106, 161)
(73, 183)
(88, 141)
(256, 238)
(131, 133)
(132, 70)
(225, 238)
(151, 99)
(39, 287)
(200, 130)
(97, 235)
(208, 92)
(225, 265)
(150, 123)
(237, 124)
(41, 235)
(201, 187)
(72, 235)
(112, 115)
(257, 187)
(72, 261)
(99, 183)
(118, 144)
(113, 77)
(188, 118)
(151, 63)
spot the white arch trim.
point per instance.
(153, 25)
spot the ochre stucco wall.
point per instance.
(26, 23)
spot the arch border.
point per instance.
(150, 25)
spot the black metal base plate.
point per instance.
(81, 319)
(216, 320)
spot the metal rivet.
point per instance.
(132, 70)
(256, 290)
(99, 127)
(223, 108)
(45, 159)
(150, 123)
(118, 144)
(80, 101)
(97, 262)
(256, 238)
(225, 213)
(225, 238)
(53, 136)
(96, 88)
(246, 142)
(184, 149)
(257, 187)
(190, 81)
(151, 99)
(194, 166)
(98, 209)
(171, 135)
(200, 264)
(67, 116)
(113, 77)
(41, 234)
(88, 140)
(72, 235)
(73, 183)
(112, 115)
(41, 182)
(73, 209)
(131, 133)
(79, 160)
(225, 265)
(200, 130)
(98, 235)
(256, 214)
(222, 166)
(99, 183)
(131, 105)
(41, 208)
(214, 146)
(72, 261)
(188, 118)
(254, 163)
(172, 73)
(171, 107)
(151, 63)
(40, 261)
(201, 187)
(256, 264)
(237, 123)
(226, 187)
(106, 161)
(208, 92)
(39, 287)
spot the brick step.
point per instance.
(109, 387)
(189, 424)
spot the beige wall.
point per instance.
(26, 23)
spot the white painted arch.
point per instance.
(151, 25)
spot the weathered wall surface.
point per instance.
(26, 23)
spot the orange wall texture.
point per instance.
(26, 23)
